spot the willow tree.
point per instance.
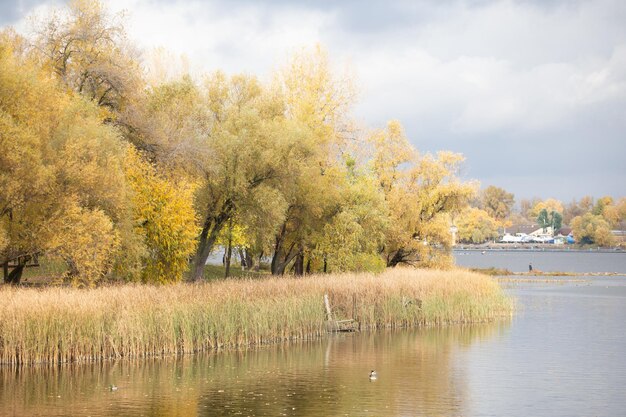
(56, 163)
(421, 192)
(248, 145)
(87, 48)
(498, 203)
(317, 100)
(476, 226)
(351, 238)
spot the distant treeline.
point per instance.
(493, 211)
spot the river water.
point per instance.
(543, 260)
(562, 354)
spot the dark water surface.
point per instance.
(548, 261)
(562, 354)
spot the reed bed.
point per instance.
(57, 325)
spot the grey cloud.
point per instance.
(449, 69)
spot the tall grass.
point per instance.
(57, 325)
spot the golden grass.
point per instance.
(57, 325)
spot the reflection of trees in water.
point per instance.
(415, 367)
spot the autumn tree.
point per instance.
(351, 239)
(246, 147)
(164, 217)
(476, 226)
(592, 229)
(577, 208)
(317, 101)
(498, 203)
(87, 48)
(56, 163)
(549, 205)
(421, 193)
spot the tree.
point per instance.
(88, 50)
(246, 145)
(476, 226)
(556, 221)
(549, 205)
(164, 215)
(526, 207)
(421, 193)
(553, 220)
(497, 203)
(317, 101)
(56, 163)
(575, 209)
(351, 239)
(592, 229)
(542, 219)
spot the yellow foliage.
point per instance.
(86, 240)
(63, 187)
(164, 214)
(592, 229)
(421, 193)
(550, 205)
(476, 226)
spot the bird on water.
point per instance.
(373, 375)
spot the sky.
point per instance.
(532, 92)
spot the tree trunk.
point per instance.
(308, 266)
(281, 260)
(248, 259)
(277, 249)
(257, 266)
(212, 227)
(15, 276)
(400, 256)
(242, 259)
(299, 264)
(229, 255)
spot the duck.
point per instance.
(373, 375)
(113, 388)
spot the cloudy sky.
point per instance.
(532, 92)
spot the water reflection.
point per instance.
(327, 377)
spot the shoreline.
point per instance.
(533, 248)
(64, 325)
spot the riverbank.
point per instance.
(57, 325)
(536, 247)
(492, 271)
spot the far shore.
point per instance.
(534, 247)
(538, 273)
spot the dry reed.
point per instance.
(56, 325)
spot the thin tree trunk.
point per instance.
(229, 250)
(211, 229)
(248, 259)
(257, 266)
(15, 276)
(308, 266)
(242, 259)
(299, 264)
(277, 249)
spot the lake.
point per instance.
(543, 260)
(562, 354)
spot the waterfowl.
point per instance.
(113, 388)
(373, 375)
